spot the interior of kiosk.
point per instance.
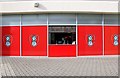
(62, 34)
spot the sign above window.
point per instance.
(62, 29)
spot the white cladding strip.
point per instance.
(35, 25)
(59, 6)
(10, 25)
(111, 25)
(89, 24)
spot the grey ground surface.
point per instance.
(79, 66)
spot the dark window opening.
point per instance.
(62, 34)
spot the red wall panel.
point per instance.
(0, 40)
(41, 48)
(110, 31)
(14, 48)
(119, 40)
(83, 48)
(62, 50)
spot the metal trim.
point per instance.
(103, 34)
(91, 24)
(63, 44)
(20, 35)
(111, 25)
(47, 37)
(61, 24)
(35, 25)
(76, 36)
(10, 25)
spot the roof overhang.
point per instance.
(23, 7)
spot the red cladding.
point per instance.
(62, 50)
(40, 33)
(41, 38)
(96, 33)
(14, 33)
(110, 48)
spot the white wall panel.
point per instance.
(59, 6)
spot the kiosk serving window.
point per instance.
(62, 35)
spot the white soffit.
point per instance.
(102, 6)
(55, 0)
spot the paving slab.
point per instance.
(79, 66)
